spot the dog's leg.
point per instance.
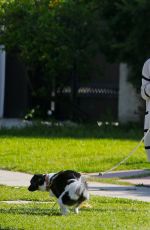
(63, 208)
(76, 210)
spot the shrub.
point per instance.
(56, 39)
(125, 33)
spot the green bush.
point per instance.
(56, 39)
(125, 33)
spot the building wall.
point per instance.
(129, 101)
(2, 80)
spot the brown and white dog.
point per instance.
(69, 187)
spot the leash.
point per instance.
(127, 157)
(48, 187)
(52, 208)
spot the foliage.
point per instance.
(125, 33)
(56, 39)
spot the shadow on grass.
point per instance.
(36, 211)
(10, 228)
(31, 211)
(48, 212)
(132, 132)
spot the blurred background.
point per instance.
(73, 60)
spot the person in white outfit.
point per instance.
(145, 93)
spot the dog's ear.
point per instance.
(41, 179)
(36, 181)
(36, 178)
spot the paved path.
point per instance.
(14, 178)
(141, 193)
(122, 174)
(129, 192)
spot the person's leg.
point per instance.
(147, 138)
(63, 208)
(147, 146)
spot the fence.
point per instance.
(92, 103)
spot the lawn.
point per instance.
(83, 148)
(103, 213)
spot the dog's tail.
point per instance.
(82, 188)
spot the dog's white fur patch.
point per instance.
(75, 189)
(43, 187)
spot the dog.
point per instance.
(69, 187)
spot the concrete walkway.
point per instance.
(10, 178)
(122, 174)
(141, 193)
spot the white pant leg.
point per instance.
(147, 138)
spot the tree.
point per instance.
(125, 33)
(57, 38)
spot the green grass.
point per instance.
(84, 148)
(8, 193)
(102, 213)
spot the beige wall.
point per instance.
(2, 80)
(129, 101)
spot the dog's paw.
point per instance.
(85, 205)
(76, 210)
(64, 211)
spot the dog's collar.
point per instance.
(48, 182)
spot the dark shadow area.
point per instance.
(112, 188)
(131, 132)
(31, 211)
(10, 228)
(47, 212)
(115, 210)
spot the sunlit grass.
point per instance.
(8, 193)
(85, 149)
(104, 213)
